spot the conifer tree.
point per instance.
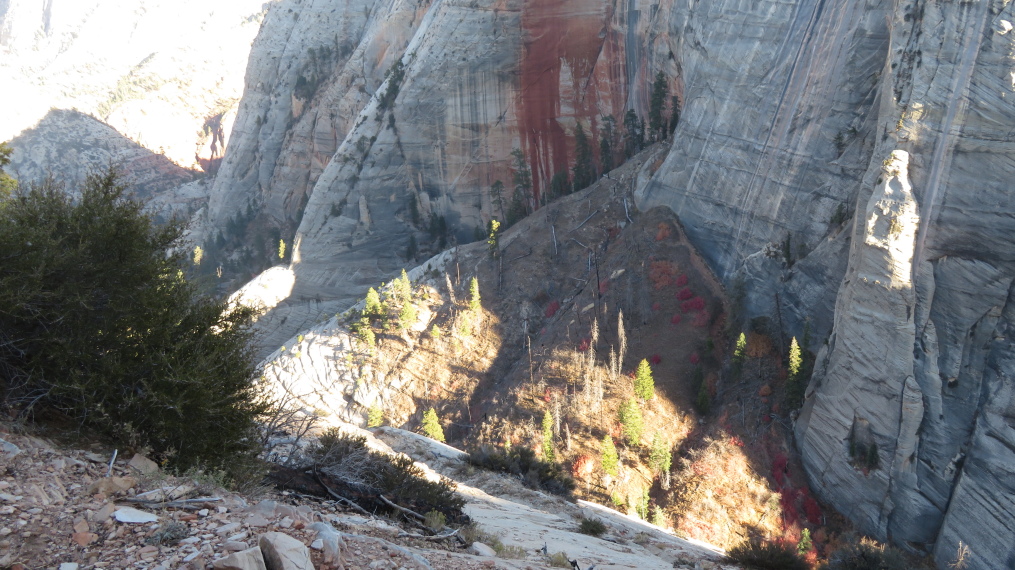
(634, 134)
(372, 307)
(656, 119)
(739, 353)
(432, 426)
(794, 381)
(548, 454)
(611, 460)
(631, 422)
(644, 384)
(497, 197)
(584, 170)
(606, 143)
(474, 304)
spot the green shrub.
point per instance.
(591, 527)
(97, 321)
(523, 462)
(375, 417)
(435, 520)
(760, 555)
(559, 560)
(866, 554)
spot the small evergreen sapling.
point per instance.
(611, 460)
(548, 454)
(644, 384)
(432, 426)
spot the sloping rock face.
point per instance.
(918, 372)
(410, 120)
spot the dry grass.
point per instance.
(718, 495)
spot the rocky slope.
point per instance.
(114, 514)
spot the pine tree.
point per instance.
(491, 240)
(794, 381)
(548, 454)
(611, 460)
(372, 307)
(739, 353)
(584, 170)
(674, 113)
(7, 184)
(631, 422)
(281, 249)
(432, 426)
(606, 143)
(656, 120)
(402, 287)
(660, 457)
(474, 304)
(634, 134)
(497, 197)
(408, 315)
(644, 384)
(522, 174)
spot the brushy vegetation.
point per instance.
(522, 461)
(865, 554)
(345, 458)
(761, 555)
(98, 322)
(591, 527)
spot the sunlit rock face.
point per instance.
(164, 74)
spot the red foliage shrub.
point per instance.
(584, 466)
(685, 294)
(701, 320)
(552, 309)
(787, 499)
(735, 440)
(780, 467)
(655, 359)
(604, 286)
(675, 319)
(584, 344)
(812, 509)
(695, 358)
(664, 231)
(695, 304)
(547, 396)
(681, 280)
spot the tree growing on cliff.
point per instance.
(795, 384)
(474, 304)
(98, 322)
(634, 133)
(657, 104)
(606, 143)
(674, 112)
(584, 169)
(497, 197)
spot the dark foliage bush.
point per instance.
(866, 554)
(98, 322)
(761, 555)
(522, 461)
(591, 527)
(345, 458)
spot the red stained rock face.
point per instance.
(572, 67)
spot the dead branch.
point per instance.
(401, 508)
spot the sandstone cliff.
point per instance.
(788, 113)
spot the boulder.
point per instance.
(250, 559)
(283, 552)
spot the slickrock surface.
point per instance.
(58, 508)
